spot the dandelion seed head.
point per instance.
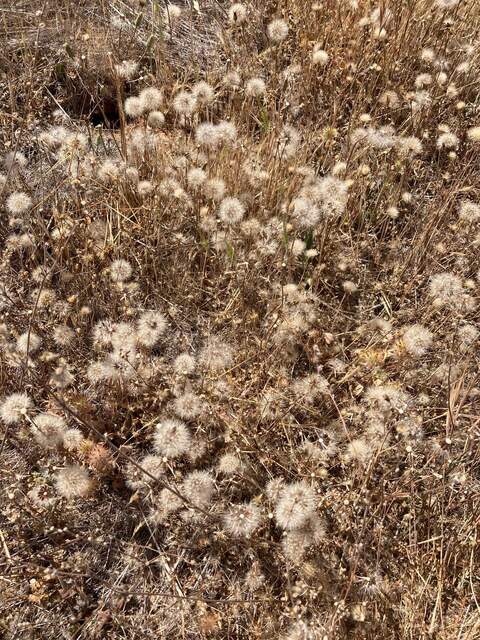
(172, 438)
(255, 87)
(237, 13)
(48, 430)
(184, 364)
(231, 211)
(199, 488)
(134, 107)
(203, 92)
(156, 119)
(277, 30)
(120, 270)
(73, 482)
(151, 99)
(18, 203)
(188, 406)
(185, 103)
(242, 520)
(28, 342)
(296, 504)
(15, 407)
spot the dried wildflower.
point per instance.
(229, 464)
(199, 488)
(469, 212)
(62, 377)
(473, 134)
(231, 211)
(150, 327)
(63, 335)
(18, 202)
(255, 87)
(232, 79)
(15, 407)
(295, 506)
(188, 406)
(446, 289)
(203, 93)
(172, 438)
(467, 335)
(216, 354)
(73, 482)
(144, 188)
(15, 160)
(134, 107)
(297, 541)
(28, 342)
(72, 439)
(151, 99)
(242, 520)
(139, 478)
(42, 496)
(237, 14)
(120, 270)
(358, 450)
(447, 140)
(387, 399)
(214, 189)
(307, 388)
(185, 103)
(184, 364)
(126, 69)
(155, 119)
(277, 30)
(408, 146)
(417, 340)
(305, 214)
(196, 177)
(48, 430)
(319, 56)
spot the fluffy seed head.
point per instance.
(196, 177)
(172, 438)
(184, 364)
(237, 13)
(231, 211)
(295, 505)
(203, 93)
(150, 327)
(120, 270)
(473, 134)
(277, 30)
(151, 99)
(469, 212)
(156, 119)
(28, 342)
(199, 488)
(185, 103)
(188, 406)
(73, 482)
(446, 288)
(417, 340)
(216, 354)
(320, 57)
(242, 520)
(255, 87)
(18, 202)
(48, 430)
(214, 189)
(134, 107)
(15, 407)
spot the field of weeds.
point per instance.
(239, 320)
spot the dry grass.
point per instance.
(307, 368)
